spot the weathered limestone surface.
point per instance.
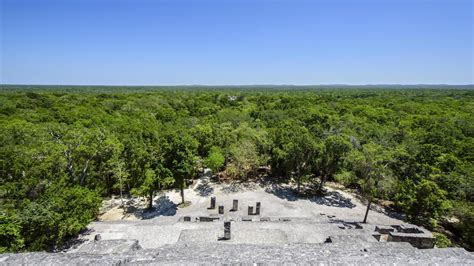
(109, 246)
(223, 253)
(300, 241)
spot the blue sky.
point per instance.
(236, 42)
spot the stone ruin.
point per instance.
(415, 235)
(263, 240)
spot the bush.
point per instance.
(347, 178)
(442, 241)
(423, 203)
(10, 235)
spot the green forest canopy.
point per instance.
(62, 149)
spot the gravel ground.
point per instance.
(277, 201)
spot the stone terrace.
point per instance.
(289, 230)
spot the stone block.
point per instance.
(257, 208)
(416, 240)
(384, 229)
(227, 234)
(208, 219)
(213, 203)
(235, 205)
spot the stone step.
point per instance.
(219, 253)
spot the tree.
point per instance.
(49, 221)
(332, 156)
(154, 181)
(215, 160)
(182, 159)
(425, 203)
(465, 212)
(243, 160)
(293, 151)
(246, 150)
(371, 165)
(120, 173)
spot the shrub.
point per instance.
(442, 241)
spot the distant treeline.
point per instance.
(63, 148)
(236, 88)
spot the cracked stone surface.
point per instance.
(337, 252)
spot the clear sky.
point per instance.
(236, 42)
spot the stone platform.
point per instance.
(339, 251)
(286, 230)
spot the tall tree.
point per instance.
(154, 181)
(182, 159)
(332, 156)
(293, 151)
(371, 163)
(120, 175)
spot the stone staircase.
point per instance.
(296, 240)
(340, 251)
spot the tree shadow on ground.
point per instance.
(394, 214)
(380, 207)
(283, 192)
(237, 186)
(162, 206)
(390, 212)
(74, 242)
(333, 199)
(204, 189)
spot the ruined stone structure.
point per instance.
(417, 236)
(322, 239)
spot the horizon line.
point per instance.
(241, 85)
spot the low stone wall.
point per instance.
(419, 241)
(415, 235)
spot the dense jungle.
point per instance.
(63, 149)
